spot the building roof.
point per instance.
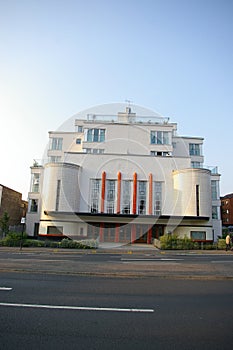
(110, 109)
(227, 196)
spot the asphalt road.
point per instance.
(53, 311)
(150, 263)
(53, 299)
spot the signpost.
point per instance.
(23, 221)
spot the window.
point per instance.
(55, 230)
(198, 235)
(196, 164)
(56, 143)
(215, 212)
(160, 137)
(80, 128)
(194, 149)
(160, 154)
(55, 159)
(33, 205)
(58, 194)
(110, 196)
(157, 198)
(35, 182)
(214, 189)
(142, 197)
(93, 150)
(197, 200)
(126, 196)
(95, 195)
(94, 135)
(78, 141)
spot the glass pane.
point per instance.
(89, 135)
(152, 137)
(102, 135)
(159, 137)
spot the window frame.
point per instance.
(56, 143)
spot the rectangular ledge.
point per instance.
(128, 216)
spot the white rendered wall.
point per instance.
(69, 193)
(160, 167)
(185, 182)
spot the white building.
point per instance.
(123, 175)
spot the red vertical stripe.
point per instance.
(118, 192)
(101, 232)
(134, 193)
(103, 192)
(133, 233)
(150, 193)
(149, 235)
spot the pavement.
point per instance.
(132, 261)
(110, 248)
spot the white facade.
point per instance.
(124, 177)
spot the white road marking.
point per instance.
(167, 259)
(5, 288)
(79, 308)
(144, 259)
(221, 261)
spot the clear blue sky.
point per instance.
(58, 57)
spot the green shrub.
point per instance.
(14, 239)
(221, 243)
(33, 243)
(84, 244)
(172, 241)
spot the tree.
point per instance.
(4, 224)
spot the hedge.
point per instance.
(16, 240)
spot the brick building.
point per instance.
(227, 210)
(11, 202)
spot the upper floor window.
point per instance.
(35, 182)
(160, 137)
(80, 128)
(110, 196)
(214, 189)
(56, 143)
(55, 159)
(194, 149)
(95, 195)
(142, 197)
(215, 212)
(126, 196)
(196, 164)
(93, 150)
(94, 135)
(157, 195)
(161, 154)
(33, 205)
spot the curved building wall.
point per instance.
(60, 187)
(192, 192)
